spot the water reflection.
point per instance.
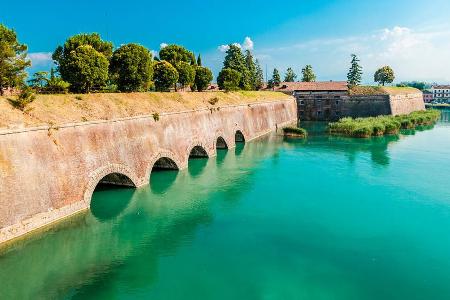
(239, 148)
(221, 154)
(161, 181)
(110, 201)
(196, 166)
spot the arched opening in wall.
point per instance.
(198, 152)
(111, 196)
(221, 144)
(239, 137)
(164, 164)
(163, 175)
(197, 161)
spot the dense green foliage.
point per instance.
(276, 78)
(308, 74)
(89, 68)
(259, 77)
(13, 59)
(203, 77)
(83, 61)
(290, 75)
(229, 79)
(415, 84)
(295, 132)
(186, 74)
(236, 61)
(131, 68)
(165, 76)
(174, 54)
(376, 126)
(354, 75)
(384, 75)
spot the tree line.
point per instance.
(86, 63)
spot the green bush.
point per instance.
(376, 126)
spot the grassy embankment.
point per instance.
(291, 131)
(72, 108)
(381, 90)
(382, 125)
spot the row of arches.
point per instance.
(163, 163)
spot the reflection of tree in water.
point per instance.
(350, 147)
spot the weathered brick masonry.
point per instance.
(50, 173)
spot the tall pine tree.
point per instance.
(308, 74)
(354, 75)
(251, 67)
(259, 78)
(235, 60)
(276, 79)
(290, 75)
(199, 60)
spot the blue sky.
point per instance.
(412, 36)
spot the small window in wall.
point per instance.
(319, 113)
(337, 102)
(302, 102)
(319, 102)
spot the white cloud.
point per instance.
(246, 45)
(163, 45)
(154, 53)
(40, 58)
(415, 54)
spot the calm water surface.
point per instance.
(326, 218)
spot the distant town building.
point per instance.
(441, 92)
(427, 96)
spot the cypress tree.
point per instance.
(354, 75)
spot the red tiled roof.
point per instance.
(313, 86)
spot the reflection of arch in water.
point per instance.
(112, 174)
(239, 137)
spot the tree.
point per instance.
(39, 80)
(199, 61)
(229, 79)
(164, 75)
(235, 60)
(55, 84)
(203, 77)
(88, 68)
(259, 79)
(174, 54)
(354, 75)
(186, 73)
(13, 59)
(131, 68)
(384, 75)
(64, 55)
(276, 79)
(251, 67)
(308, 74)
(290, 75)
(415, 84)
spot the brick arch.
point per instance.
(100, 173)
(161, 154)
(244, 134)
(221, 133)
(200, 143)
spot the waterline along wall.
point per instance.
(48, 173)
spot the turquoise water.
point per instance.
(326, 218)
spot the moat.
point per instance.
(322, 218)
